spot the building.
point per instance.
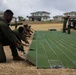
(39, 16)
(1, 13)
(71, 14)
(58, 18)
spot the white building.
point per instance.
(39, 16)
(58, 18)
(1, 13)
(71, 14)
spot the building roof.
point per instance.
(57, 16)
(40, 12)
(70, 12)
(37, 16)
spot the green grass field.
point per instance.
(53, 49)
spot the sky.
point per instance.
(26, 7)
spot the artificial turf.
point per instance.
(53, 49)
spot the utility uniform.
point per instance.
(7, 37)
(64, 25)
(20, 36)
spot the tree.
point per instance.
(21, 18)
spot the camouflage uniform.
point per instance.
(20, 36)
(64, 25)
(7, 37)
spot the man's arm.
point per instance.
(23, 37)
(9, 34)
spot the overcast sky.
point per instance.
(25, 7)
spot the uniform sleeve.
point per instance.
(9, 34)
(23, 37)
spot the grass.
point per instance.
(53, 49)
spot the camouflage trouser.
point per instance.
(69, 27)
(5, 42)
(2, 54)
(64, 28)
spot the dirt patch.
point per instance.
(24, 67)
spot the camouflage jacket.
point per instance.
(20, 36)
(7, 32)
